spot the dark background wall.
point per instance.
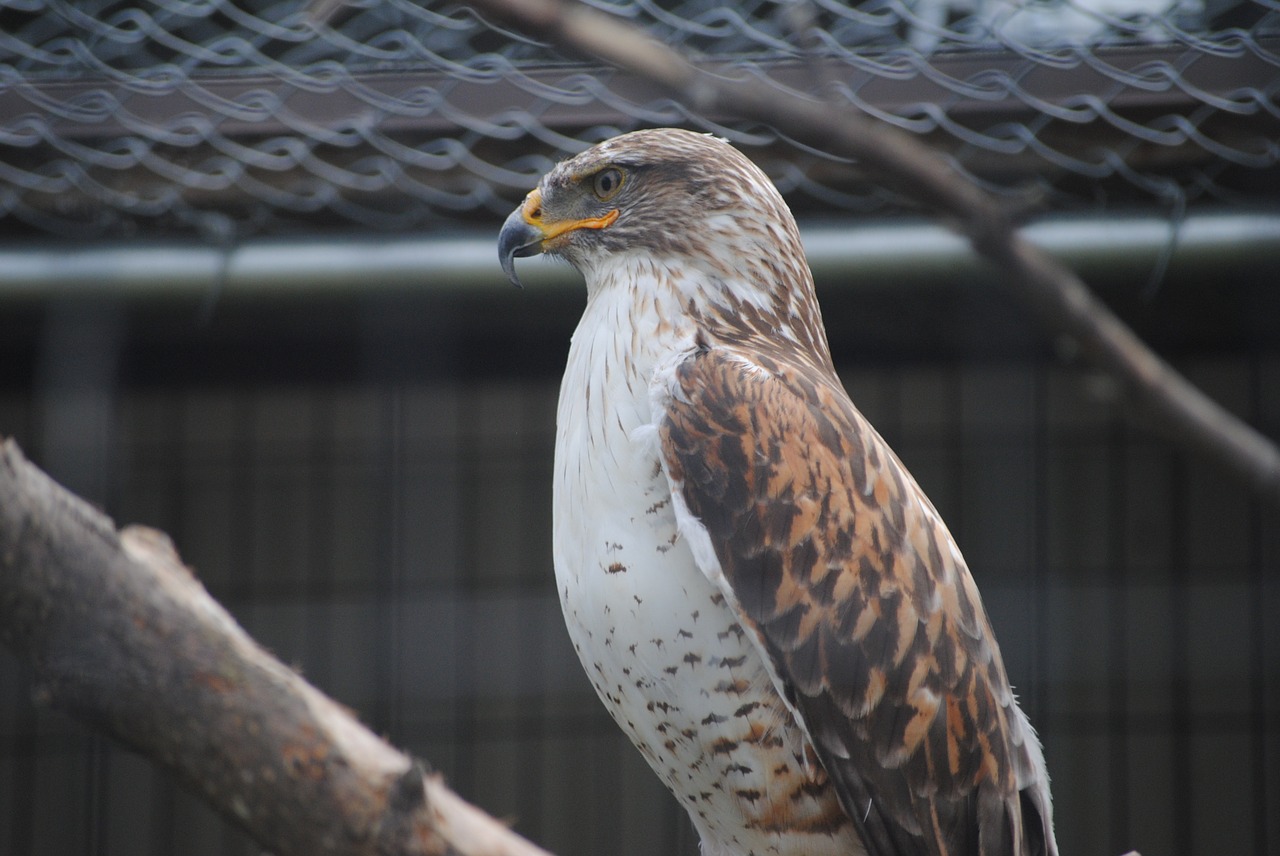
(365, 483)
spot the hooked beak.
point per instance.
(520, 236)
(526, 233)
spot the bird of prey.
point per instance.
(761, 594)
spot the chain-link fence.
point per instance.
(121, 119)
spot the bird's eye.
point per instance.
(606, 183)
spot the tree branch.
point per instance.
(121, 635)
(1061, 302)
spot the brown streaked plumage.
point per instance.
(761, 594)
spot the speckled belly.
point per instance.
(681, 677)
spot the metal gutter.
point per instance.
(1108, 248)
(1111, 248)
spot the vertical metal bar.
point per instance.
(465, 712)
(1180, 732)
(1040, 711)
(1259, 622)
(533, 735)
(320, 463)
(390, 585)
(1118, 641)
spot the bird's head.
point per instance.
(686, 213)
(667, 192)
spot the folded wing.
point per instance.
(860, 602)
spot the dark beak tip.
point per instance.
(517, 239)
(509, 268)
(515, 280)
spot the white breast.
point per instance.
(664, 653)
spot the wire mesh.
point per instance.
(228, 120)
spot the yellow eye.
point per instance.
(606, 183)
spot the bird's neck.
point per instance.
(665, 303)
(637, 315)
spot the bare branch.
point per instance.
(1062, 303)
(123, 636)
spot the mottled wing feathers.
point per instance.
(859, 599)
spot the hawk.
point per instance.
(761, 594)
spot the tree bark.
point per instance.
(121, 635)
